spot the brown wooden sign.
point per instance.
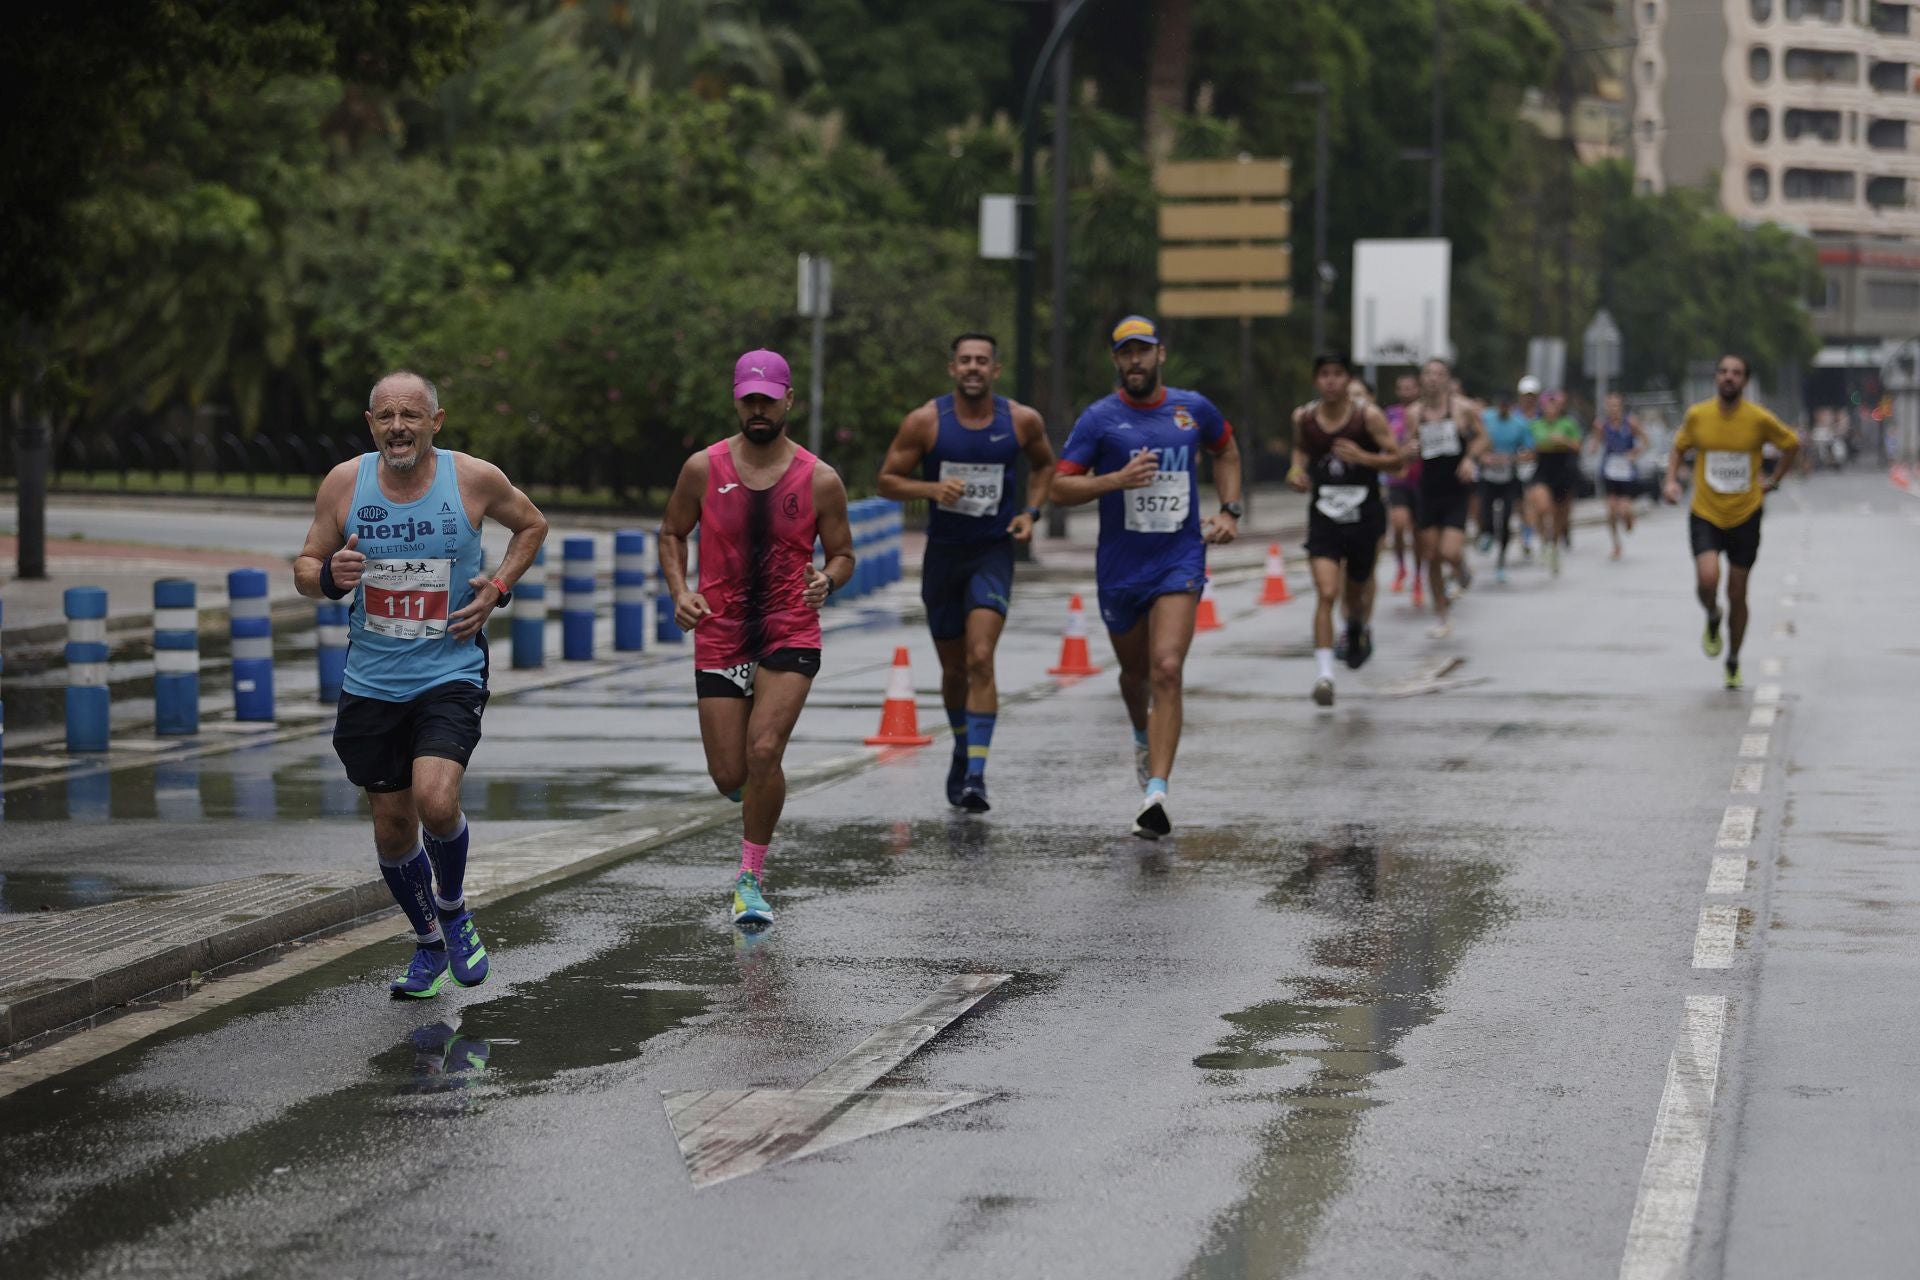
(1223, 238)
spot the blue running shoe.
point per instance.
(956, 776)
(424, 977)
(749, 907)
(466, 954)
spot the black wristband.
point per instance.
(327, 587)
(1033, 513)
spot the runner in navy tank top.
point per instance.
(760, 500)
(1621, 438)
(398, 531)
(967, 447)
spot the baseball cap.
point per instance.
(761, 372)
(1529, 386)
(1135, 329)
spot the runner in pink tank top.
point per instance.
(759, 501)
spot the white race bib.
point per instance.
(407, 599)
(1496, 473)
(740, 676)
(983, 481)
(1341, 503)
(1617, 466)
(1729, 472)
(1527, 470)
(1439, 439)
(1162, 506)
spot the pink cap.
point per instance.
(761, 373)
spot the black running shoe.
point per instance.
(973, 795)
(956, 776)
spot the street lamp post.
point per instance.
(1322, 269)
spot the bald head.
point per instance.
(404, 414)
(409, 380)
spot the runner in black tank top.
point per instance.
(1340, 448)
(1445, 433)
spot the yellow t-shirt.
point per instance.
(1726, 467)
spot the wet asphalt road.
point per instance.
(1398, 999)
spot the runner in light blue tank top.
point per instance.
(396, 535)
(421, 557)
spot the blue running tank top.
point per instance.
(1616, 437)
(420, 558)
(985, 458)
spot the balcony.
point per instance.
(1825, 186)
(1888, 193)
(1891, 19)
(1800, 123)
(1831, 12)
(1824, 66)
(1889, 77)
(1887, 135)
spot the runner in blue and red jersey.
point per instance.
(1137, 451)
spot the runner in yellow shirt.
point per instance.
(1726, 435)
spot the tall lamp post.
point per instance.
(1322, 269)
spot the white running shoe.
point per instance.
(1152, 822)
(1440, 631)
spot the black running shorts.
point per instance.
(1358, 544)
(737, 681)
(1560, 473)
(378, 741)
(1740, 544)
(1444, 508)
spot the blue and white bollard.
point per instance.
(576, 600)
(88, 706)
(629, 590)
(176, 657)
(529, 613)
(251, 630)
(665, 629)
(896, 527)
(330, 647)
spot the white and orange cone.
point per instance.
(899, 721)
(1275, 592)
(1207, 618)
(1074, 658)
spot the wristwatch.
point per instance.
(506, 596)
(1033, 513)
(1234, 509)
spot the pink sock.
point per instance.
(753, 857)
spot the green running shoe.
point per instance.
(424, 977)
(1711, 643)
(1733, 676)
(749, 907)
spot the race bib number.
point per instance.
(1617, 466)
(1527, 471)
(983, 481)
(407, 599)
(1496, 472)
(1162, 506)
(1439, 439)
(1341, 503)
(740, 675)
(1729, 472)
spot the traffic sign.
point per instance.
(1602, 351)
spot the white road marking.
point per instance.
(1767, 693)
(1762, 717)
(1754, 746)
(1729, 875)
(1783, 628)
(1792, 580)
(1736, 827)
(1772, 666)
(1713, 940)
(1661, 1233)
(1747, 778)
(1787, 602)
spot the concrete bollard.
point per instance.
(176, 657)
(528, 610)
(629, 590)
(330, 647)
(88, 706)
(251, 630)
(576, 600)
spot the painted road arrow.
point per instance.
(724, 1133)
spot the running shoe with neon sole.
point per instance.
(1710, 642)
(424, 977)
(749, 906)
(1152, 821)
(466, 954)
(1733, 676)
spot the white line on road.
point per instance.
(1772, 666)
(1762, 717)
(1787, 602)
(1713, 940)
(1748, 777)
(1767, 694)
(1736, 827)
(1662, 1229)
(1754, 746)
(1729, 875)
(1791, 580)
(1783, 627)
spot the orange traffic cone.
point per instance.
(899, 722)
(1276, 589)
(1207, 618)
(1074, 658)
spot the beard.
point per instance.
(405, 462)
(1147, 380)
(763, 430)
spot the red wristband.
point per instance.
(500, 586)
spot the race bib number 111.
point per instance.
(407, 599)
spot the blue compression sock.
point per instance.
(979, 739)
(1156, 784)
(449, 857)
(1139, 737)
(411, 881)
(957, 721)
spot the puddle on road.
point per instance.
(1405, 915)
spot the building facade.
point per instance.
(1805, 113)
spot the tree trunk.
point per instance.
(1170, 59)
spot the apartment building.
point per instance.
(1802, 112)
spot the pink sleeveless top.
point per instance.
(755, 546)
